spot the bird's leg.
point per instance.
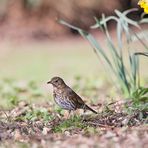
(69, 111)
(84, 108)
(72, 118)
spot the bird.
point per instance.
(66, 98)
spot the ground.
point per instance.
(29, 116)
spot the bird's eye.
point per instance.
(56, 81)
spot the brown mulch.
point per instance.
(107, 129)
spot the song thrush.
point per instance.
(66, 98)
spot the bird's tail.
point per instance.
(88, 108)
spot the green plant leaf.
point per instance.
(142, 53)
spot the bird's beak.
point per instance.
(49, 82)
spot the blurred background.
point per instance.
(34, 46)
(36, 19)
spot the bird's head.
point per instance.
(57, 82)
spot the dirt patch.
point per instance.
(110, 128)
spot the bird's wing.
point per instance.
(76, 99)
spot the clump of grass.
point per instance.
(35, 114)
(12, 92)
(69, 124)
(127, 75)
(9, 92)
(140, 94)
(38, 114)
(140, 101)
(90, 130)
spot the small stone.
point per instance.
(67, 133)
(45, 130)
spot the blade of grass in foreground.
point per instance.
(142, 53)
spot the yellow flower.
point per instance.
(144, 4)
(146, 9)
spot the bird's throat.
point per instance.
(59, 89)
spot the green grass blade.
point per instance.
(142, 53)
(101, 22)
(129, 11)
(123, 17)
